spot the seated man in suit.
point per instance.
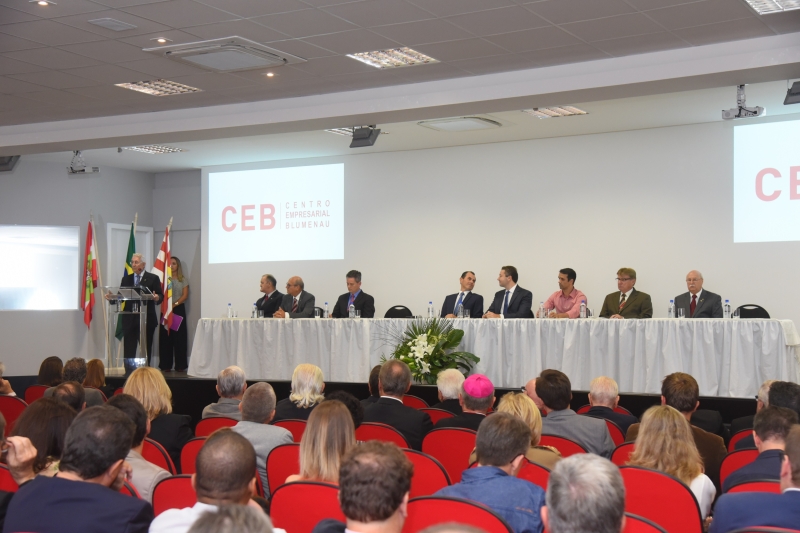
(555, 391)
(469, 300)
(749, 509)
(530, 391)
(271, 301)
(394, 381)
(297, 303)
(513, 301)
(75, 370)
(71, 393)
(449, 384)
(231, 384)
(746, 422)
(372, 385)
(698, 303)
(680, 391)
(360, 300)
(476, 398)
(772, 425)
(84, 495)
(627, 302)
(565, 302)
(781, 394)
(604, 397)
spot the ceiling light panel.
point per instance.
(154, 149)
(555, 112)
(765, 7)
(393, 58)
(159, 87)
(112, 24)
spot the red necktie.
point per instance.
(294, 306)
(693, 305)
(622, 302)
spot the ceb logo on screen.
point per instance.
(266, 217)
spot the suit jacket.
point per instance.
(464, 420)
(589, 432)
(145, 475)
(766, 466)
(637, 306)
(369, 400)
(152, 282)
(363, 302)
(519, 306)
(749, 509)
(286, 409)
(57, 505)
(413, 424)
(451, 405)
(329, 525)
(227, 407)
(264, 438)
(473, 302)
(305, 305)
(743, 422)
(172, 432)
(711, 421)
(708, 306)
(270, 305)
(621, 419)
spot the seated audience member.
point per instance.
(50, 372)
(20, 458)
(476, 398)
(96, 377)
(372, 384)
(711, 421)
(258, 409)
(5, 386)
(772, 424)
(521, 406)
(75, 370)
(503, 439)
(604, 397)
(665, 443)
(233, 519)
(781, 394)
(555, 391)
(393, 382)
(45, 422)
(145, 474)
(681, 391)
(750, 509)
(226, 466)
(71, 393)
(530, 391)
(352, 403)
(449, 384)
(231, 384)
(172, 431)
(329, 435)
(584, 493)
(374, 481)
(84, 495)
(762, 401)
(307, 387)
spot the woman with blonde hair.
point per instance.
(521, 406)
(665, 443)
(96, 377)
(307, 387)
(173, 344)
(172, 431)
(329, 435)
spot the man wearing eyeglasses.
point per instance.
(698, 302)
(627, 302)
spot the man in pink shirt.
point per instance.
(566, 303)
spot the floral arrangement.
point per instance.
(427, 347)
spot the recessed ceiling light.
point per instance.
(270, 74)
(43, 2)
(159, 87)
(154, 149)
(161, 40)
(764, 7)
(393, 58)
(460, 124)
(555, 112)
(112, 24)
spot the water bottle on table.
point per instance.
(726, 309)
(671, 309)
(326, 315)
(583, 309)
(541, 310)
(230, 311)
(352, 311)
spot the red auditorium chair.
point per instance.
(613, 429)
(585, 408)
(118, 391)
(437, 414)
(451, 447)
(414, 401)
(429, 511)
(129, 490)
(102, 394)
(295, 427)
(429, 474)
(155, 453)
(739, 435)
(283, 461)
(7, 482)
(535, 473)
(639, 524)
(564, 445)
(382, 432)
(207, 426)
(622, 453)
(661, 498)
(34, 392)
(174, 492)
(298, 507)
(189, 454)
(761, 485)
(734, 461)
(11, 407)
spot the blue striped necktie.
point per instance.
(505, 303)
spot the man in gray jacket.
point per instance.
(231, 384)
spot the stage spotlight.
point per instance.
(364, 136)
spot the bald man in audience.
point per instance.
(75, 370)
(698, 302)
(71, 393)
(231, 384)
(780, 394)
(448, 383)
(604, 398)
(476, 398)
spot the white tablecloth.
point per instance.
(727, 357)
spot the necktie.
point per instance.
(294, 306)
(352, 299)
(137, 278)
(622, 302)
(460, 299)
(693, 305)
(505, 303)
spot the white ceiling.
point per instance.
(55, 65)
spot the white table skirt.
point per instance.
(727, 357)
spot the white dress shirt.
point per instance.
(463, 295)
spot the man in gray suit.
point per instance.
(698, 303)
(297, 303)
(231, 384)
(258, 409)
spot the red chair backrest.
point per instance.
(118, 391)
(295, 427)
(298, 507)
(414, 401)
(174, 492)
(382, 432)
(207, 426)
(102, 394)
(155, 453)
(129, 490)
(661, 498)
(11, 407)
(585, 409)
(7, 482)
(451, 447)
(429, 511)
(622, 453)
(189, 454)
(535, 473)
(34, 392)
(566, 446)
(616, 432)
(283, 461)
(429, 474)
(734, 461)
(761, 485)
(639, 524)
(437, 414)
(739, 435)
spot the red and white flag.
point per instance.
(163, 269)
(89, 275)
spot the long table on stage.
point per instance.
(727, 357)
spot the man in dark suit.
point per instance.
(513, 301)
(448, 383)
(130, 323)
(394, 381)
(604, 397)
(373, 386)
(465, 297)
(698, 303)
(627, 302)
(360, 300)
(476, 398)
(296, 303)
(781, 394)
(271, 301)
(746, 422)
(84, 495)
(749, 509)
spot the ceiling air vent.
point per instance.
(226, 55)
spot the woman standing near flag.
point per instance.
(174, 344)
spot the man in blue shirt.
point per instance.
(501, 444)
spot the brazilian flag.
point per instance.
(128, 270)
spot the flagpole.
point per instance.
(100, 281)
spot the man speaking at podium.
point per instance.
(130, 323)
